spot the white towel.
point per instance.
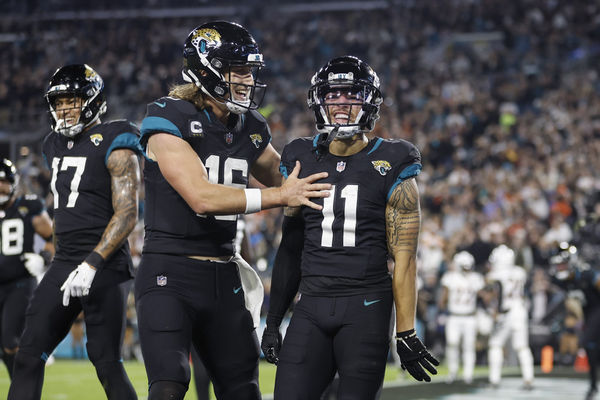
(252, 286)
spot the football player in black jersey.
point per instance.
(201, 144)
(337, 256)
(95, 180)
(571, 273)
(21, 217)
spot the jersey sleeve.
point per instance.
(165, 115)
(288, 158)
(260, 133)
(407, 165)
(126, 136)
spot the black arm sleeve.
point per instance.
(286, 269)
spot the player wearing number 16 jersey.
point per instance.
(95, 179)
(202, 143)
(337, 256)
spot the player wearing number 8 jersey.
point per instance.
(21, 217)
(202, 143)
(95, 179)
(337, 256)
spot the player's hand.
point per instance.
(78, 282)
(271, 344)
(34, 263)
(414, 356)
(297, 192)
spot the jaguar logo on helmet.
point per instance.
(96, 138)
(381, 166)
(203, 37)
(256, 139)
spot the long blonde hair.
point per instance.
(189, 92)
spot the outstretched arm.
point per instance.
(183, 169)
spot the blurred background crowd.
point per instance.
(501, 98)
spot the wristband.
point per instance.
(253, 200)
(95, 260)
(405, 334)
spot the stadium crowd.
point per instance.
(501, 98)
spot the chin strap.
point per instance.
(324, 141)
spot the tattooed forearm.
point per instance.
(403, 218)
(125, 181)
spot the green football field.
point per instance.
(70, 380)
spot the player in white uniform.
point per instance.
(460, 287)
(511, 319)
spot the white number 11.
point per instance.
(350, 194)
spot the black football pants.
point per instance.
(182, 301)
(349, 335)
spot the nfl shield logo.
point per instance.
(70, 144)
(229, 137)
(161, 280)
(341, 165)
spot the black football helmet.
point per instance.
(565, 262)
(210, 51)
(81, 81)
(8, 172)
(354, 77)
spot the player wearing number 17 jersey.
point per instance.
(337, 256)
(95, 178)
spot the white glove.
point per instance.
(78, 282)
(34, 263)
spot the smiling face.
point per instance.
(343, 104)
(241, 79)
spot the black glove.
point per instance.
(414, 356)
(271, 343)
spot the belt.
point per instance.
(212, 258)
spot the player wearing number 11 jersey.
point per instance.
(95, 179)
(337, 256)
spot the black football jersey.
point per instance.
(228, 153)
(345, 244)
(81, 185)
(16, 236)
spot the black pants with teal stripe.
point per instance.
(348, 335)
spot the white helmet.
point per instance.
(463, 260)
(502, 256)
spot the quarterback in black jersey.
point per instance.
(21, 217)
(337, 256)
(95, 180)
(202, 142)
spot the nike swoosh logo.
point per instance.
(237, 290)
(161, 105)
(368, 303)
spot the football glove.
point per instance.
(414, 356)
(78, 282)
(34, 263)
(271, 344)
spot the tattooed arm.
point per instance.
(403, 222)
(125, 180)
